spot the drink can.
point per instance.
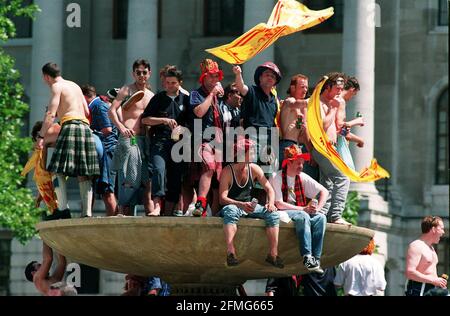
(314, 202)
(133, 141)
(254, 202)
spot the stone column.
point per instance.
(257, 11)
(142, 36)
(359, 61)
(47, 47)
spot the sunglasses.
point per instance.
(141, 73)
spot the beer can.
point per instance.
(133, 141)
(314, 202)
(254, 202)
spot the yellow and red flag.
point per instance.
(43, 179)
(288, 16)
(323, 145)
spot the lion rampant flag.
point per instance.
(42, 178)
(288, 16)
(323, 145)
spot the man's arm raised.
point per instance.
(40, 278)
(240, 85)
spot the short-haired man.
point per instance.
(230, 110)
(130, 158)
(293, 122)
(38, 273)
(421, 261)
(331, 178)
(166, 111)
(343, 127)
(235, 189)
(260, 106)
(292, 190)
(107, 133)
(75, 154)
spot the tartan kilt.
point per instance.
(75, 154)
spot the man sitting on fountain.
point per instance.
(235, 189)
(292, 188)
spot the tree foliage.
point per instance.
(17, 211)
(351, 209)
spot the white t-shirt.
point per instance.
(310, 186)
(361, 275)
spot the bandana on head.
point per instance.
(292, 153)
(208, 66)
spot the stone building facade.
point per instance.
(398, 49)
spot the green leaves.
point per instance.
(17, 211)
(10, 8)
(351, 209)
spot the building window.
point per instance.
(24, 25)
(120, 19)
(224, 17)
(335, 24)
(442, 140)
(443, 13)
(443, 256)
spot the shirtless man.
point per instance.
(331, 178)
(75, 153)
(350, 90)
(421, 260)
(293, 111)
(130, 158)
(38, 273)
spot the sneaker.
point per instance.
(232, 260)
(178, 213)
(65, 214)
(275, 261)
(199, 210)
(311, 264)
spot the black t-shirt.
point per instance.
(258, 109)
(161, 105)
(316, 284)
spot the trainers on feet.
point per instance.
(311, 264)
(275, 261)
(342, 221)
(232, 260)
(198, 211)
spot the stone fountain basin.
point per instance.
(189, 250)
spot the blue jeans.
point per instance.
(165, 171)
(337, 185)
(157, 283)
(231, 215)
(310, 230)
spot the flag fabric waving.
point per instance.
(288, 16)
(323, 145)
(43, 179)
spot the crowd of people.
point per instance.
(188, 153)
